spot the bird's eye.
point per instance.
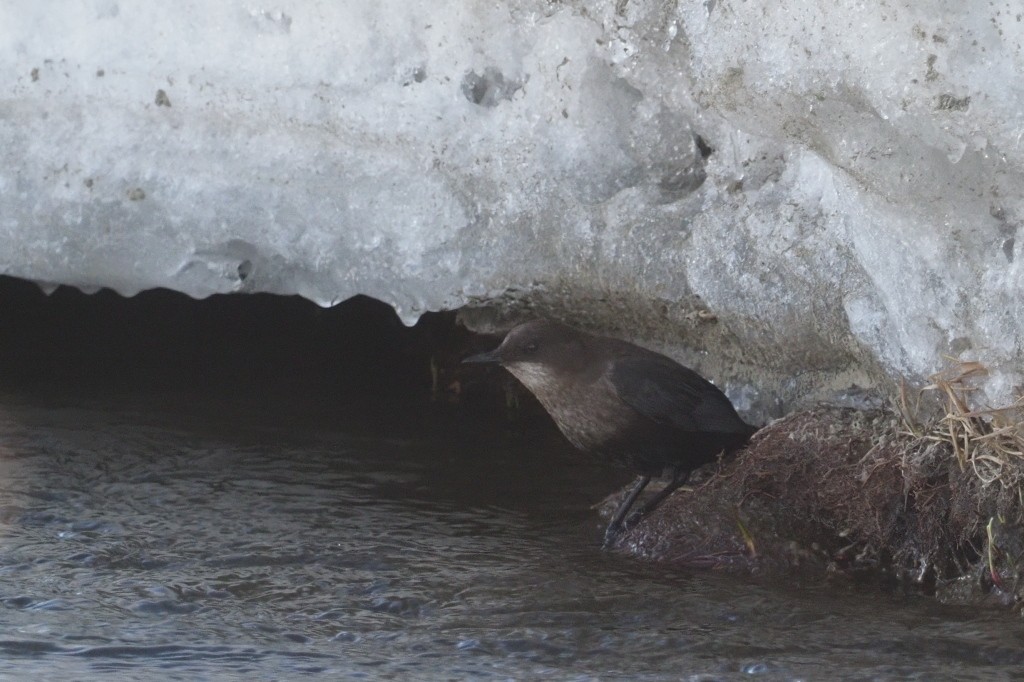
(530, 348)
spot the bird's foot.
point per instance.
(611, 537)
(614, 533)
(632, 520)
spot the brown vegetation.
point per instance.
(937, 503)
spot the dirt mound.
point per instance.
(862, 493)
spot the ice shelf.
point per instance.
(794, 195)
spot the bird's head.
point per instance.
(537, 351)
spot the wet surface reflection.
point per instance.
(193, 542)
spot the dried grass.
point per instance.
(987, 441)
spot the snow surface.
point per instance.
(818, 192)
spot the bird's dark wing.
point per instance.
(668, 393)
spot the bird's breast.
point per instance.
(588, 413)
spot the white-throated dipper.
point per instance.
(623, 403)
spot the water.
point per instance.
(200, 542)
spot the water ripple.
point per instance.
(139, 544)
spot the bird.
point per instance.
(622, 403)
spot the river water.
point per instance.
(207, 541)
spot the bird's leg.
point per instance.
(679, 477)
(615, 527)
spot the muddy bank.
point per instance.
(861, 495)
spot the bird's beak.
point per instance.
(482, 358)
